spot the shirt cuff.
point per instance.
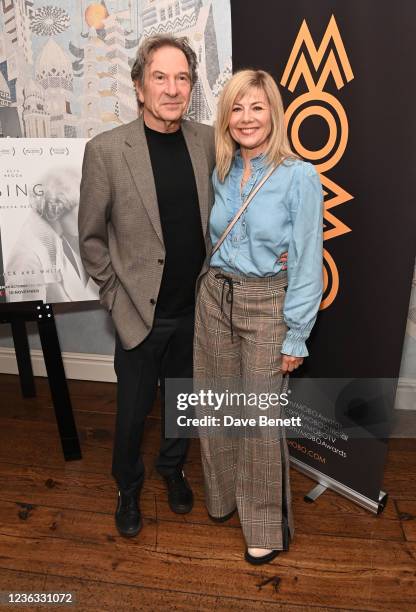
(294, 344)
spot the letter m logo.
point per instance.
(323, 59)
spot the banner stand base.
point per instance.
(326, 482)
(315, 493)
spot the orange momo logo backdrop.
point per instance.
(312, 66)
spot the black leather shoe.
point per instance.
(128, 517)
(261, 560)
(180, 496)
(222, 519)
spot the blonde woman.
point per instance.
(252, 317)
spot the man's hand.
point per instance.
(290, 363)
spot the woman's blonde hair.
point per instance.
(278, 147)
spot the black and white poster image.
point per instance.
(39, 200)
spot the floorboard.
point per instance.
(57, 529)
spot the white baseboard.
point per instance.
(406, 394)
(86, 366)
(79, 366)
(407, 383)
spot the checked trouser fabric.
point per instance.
(248, 468)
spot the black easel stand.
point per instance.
(17, 315)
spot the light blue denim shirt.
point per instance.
(285, 215)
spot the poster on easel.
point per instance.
(39, 200)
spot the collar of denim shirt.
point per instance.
(257, 163)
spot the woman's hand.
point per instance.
(290, 363)
(283, 260)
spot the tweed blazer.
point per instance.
(120, 233)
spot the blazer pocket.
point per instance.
(108, 296)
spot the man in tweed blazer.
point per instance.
(144, 208)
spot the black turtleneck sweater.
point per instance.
(180, 219)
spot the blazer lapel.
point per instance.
(200, 166)
(137, 156)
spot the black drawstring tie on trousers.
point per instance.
(229, 297)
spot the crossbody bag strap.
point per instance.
(242, 209)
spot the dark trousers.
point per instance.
(165, 353)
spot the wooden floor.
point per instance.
(57, 530)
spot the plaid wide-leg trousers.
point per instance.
(239, 331)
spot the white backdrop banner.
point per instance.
(65, 75)
(65, 65)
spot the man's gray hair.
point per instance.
(152, 44)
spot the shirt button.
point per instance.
(161, 261)
(153, 302)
